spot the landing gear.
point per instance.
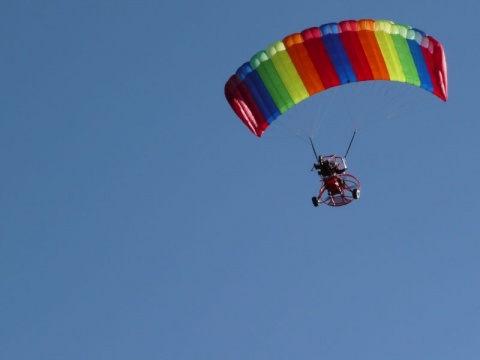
(338, 190)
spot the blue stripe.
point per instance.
(422, 70)
(337, 53)
(420, 32)
(259, 92)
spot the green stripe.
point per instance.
(404, 54)
(272, 81)
(287, 71)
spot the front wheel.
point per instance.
(315, 201)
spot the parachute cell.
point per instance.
(319, 58)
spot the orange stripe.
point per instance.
(372, 50)
(302, 62)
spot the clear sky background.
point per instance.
(140, 219)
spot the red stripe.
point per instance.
(244, 105)
(302, 62)
(354, 49)
(435, 59)
(320, 58)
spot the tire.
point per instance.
(356, 193)
(315, 201)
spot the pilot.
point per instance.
(327, 168)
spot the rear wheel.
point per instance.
(356, 193)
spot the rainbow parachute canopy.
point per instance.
(318, 58)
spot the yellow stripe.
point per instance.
(287, 71)
(385, 41)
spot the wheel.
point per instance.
(315, 201)
(356, 193)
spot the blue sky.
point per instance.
(141, 220)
